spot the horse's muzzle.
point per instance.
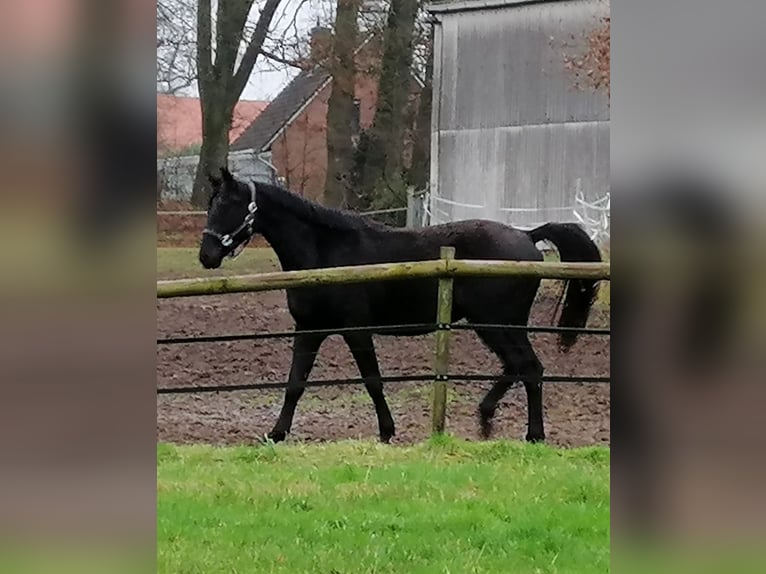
(209, 261)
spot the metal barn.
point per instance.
(513, 138)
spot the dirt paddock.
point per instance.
(576, 414)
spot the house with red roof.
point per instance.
(179, 123)
(179, 137)
(291, 133)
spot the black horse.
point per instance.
(305, 235)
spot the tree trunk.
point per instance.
(214, 152)
(382, 165)
(420, 169)
(340, 109)
(220, 80)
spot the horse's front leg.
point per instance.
(305, 350)
(363, 350)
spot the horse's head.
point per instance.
(230, 219)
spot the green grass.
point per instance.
(181, 262)
(360, 507)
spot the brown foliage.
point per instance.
(591, 69)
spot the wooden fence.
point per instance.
(445, 269)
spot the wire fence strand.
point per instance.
(382, 330)
(283, 385)
(529, 328)
(418, 328)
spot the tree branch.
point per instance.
(230, 28)
(176, 44)
(280, 60)
(204, 51)
(253, 49)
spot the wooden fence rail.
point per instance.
(443, 268)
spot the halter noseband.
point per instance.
(228, 238)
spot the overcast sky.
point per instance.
(264, 83)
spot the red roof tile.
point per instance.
(179, 121)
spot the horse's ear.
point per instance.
(214, 180)
(226, 175)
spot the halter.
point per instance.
(227, 239)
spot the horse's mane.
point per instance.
(314, 213)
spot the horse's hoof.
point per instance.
(485, 424)
(386, 430)
(277, 436)
(385, 438)
(535, 437)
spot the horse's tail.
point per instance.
(573, 245)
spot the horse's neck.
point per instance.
(293, 241)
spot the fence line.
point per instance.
(382, 330)
(435, 269)
(283, 385)
(416, 328)
(445, 270)
(529, 328)
(196, 212)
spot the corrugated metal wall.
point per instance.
(512, 139)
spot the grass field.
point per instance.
(181, 262)
(359, 507)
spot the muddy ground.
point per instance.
(575, 414)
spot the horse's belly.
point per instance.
(405, 306)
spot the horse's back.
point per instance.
(484, 240)
(492, 299)
(409, 301)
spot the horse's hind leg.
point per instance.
(305, 350)
(532, 377)
(520, 363)
(363, 350)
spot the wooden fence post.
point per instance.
(441, 359)
(411, 215)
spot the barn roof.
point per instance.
(466, 5)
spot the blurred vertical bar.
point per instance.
(688, 134)
(77, 249)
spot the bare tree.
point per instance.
(419, 171)
(223, 75)
(341, 28)
(176, 45)
(381, 159)
(341, 116)
(177, 41)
